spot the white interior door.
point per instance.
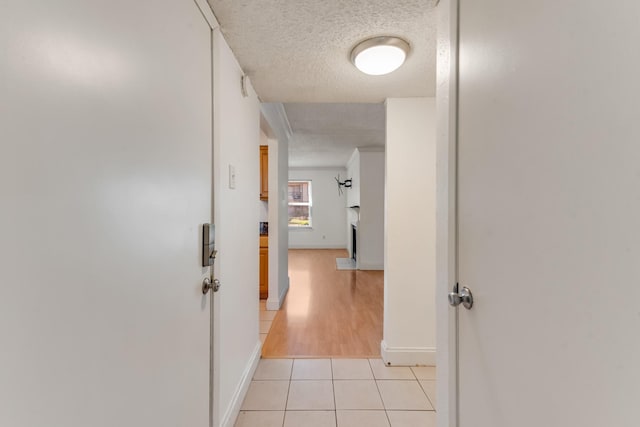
(549, 211)
(105, 180)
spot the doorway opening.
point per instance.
(336, 260)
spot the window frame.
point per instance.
(309, 204)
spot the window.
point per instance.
(299, 203)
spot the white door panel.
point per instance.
(549, 201)
(105, 176)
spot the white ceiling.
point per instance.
(297, 52)
(325, 135)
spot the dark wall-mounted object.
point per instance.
(346, 183)
(208, 244)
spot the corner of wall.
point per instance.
(352, 158)
(276, 303)
(367, 266)
(410, 279)
(230, 415)
(407, 356)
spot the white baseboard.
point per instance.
(407, 356)
(230, 415)
(362, 266)
(323, 246)
(275, 304)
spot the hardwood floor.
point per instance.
(327, 312)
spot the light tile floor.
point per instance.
(338, 393)
(266, 319)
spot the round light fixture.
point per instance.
(380, 55)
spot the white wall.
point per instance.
(410, 232)
(237, 132)
(366, 168)
(275, 124)
(353, 197)
(370, 249)
(328, 211)
(275, 212)
(105, 176)
(278, 235)
(353, 172)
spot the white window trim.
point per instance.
(309, 204)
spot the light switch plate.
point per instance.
(232, 177)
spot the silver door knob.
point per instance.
(207, 285)
(464, 297)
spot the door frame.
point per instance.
(446, 211)
(446, 215)
(211, 20)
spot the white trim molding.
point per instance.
(407, 356)
(276, 303)
(207, 13)
(446, 106)
(372, 148)
(230, 415)
(329, 246)
(275, 114)
(362, 266)
(317, 168)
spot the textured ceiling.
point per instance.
(326, 134)
(298, 50)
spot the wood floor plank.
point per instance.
(327, 312)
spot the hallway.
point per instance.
(327, 312)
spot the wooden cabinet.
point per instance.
(264, 172)
(264, 267)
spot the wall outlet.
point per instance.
(232, 177)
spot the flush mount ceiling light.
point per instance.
(380, 55)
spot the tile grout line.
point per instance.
(423, 390)
(333, 386)
(369, 364)
(386, 414)
(427, 394)
(286, 402)
(420, 385)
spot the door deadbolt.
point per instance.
(464, 297)
(207, 285)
